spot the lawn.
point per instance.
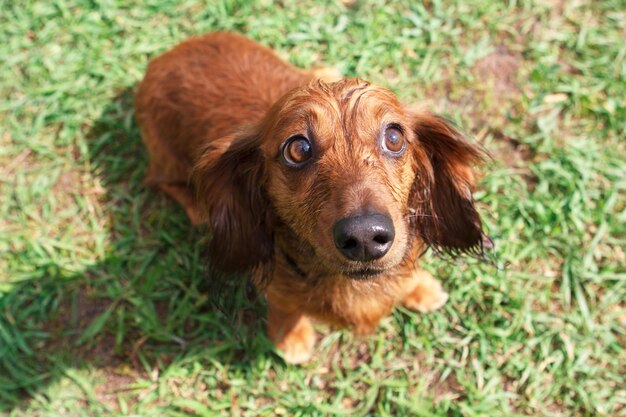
(103, 303)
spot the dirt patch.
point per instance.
(447, 389)
(495, 95)
(514, 155)
(68, 182)
(498, 98)
(499, 71)
(557, 6)
(71, 320)
(73, 317)
(21, 161)
(162, 309)
(113, 383)
(510, 151)
(488, 99)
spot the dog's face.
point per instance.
(340, 172)
(353, 173)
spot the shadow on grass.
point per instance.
(144, 305)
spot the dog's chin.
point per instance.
(364, 273)
(373, 271)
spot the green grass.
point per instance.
(103, 310)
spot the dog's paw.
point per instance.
(296, 347)
(428, 295)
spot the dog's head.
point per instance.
(353, 173)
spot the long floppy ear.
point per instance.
(445, 216)
(229, 182)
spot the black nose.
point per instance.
(364, 238)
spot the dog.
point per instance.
(326, 191)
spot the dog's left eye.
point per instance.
(394, 140)
(297, 150)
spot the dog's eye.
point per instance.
(297, 150)
(394, 140)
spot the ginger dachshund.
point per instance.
(327, 193)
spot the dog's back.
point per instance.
(205, 88)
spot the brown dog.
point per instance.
(328, 193)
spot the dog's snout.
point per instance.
(364, 238)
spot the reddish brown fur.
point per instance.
(214, 112)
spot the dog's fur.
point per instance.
(214, 112)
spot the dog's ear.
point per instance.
(229, 182)
(441, 195)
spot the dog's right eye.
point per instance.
(296, 151)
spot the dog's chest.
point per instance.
(336, 299)
(355, 304)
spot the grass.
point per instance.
(102, 305)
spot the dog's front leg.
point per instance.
(292, 332)
(425, 293)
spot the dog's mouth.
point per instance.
(372, 271)
(364, 273)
